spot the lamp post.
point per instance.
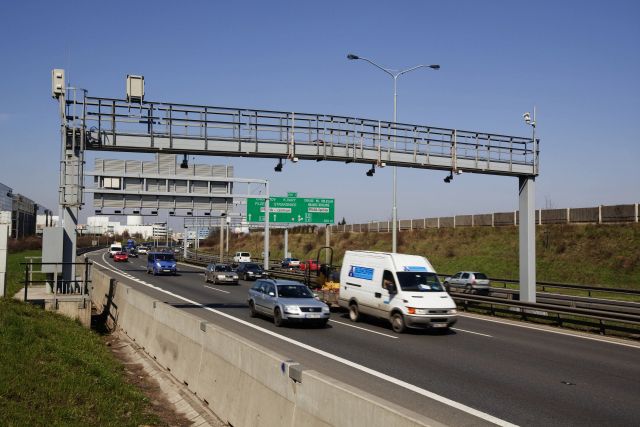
(394, 75)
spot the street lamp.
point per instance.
(394, 74)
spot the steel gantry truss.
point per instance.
(108, 124)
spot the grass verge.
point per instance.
(55, 372)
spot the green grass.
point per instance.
(15, 271)
(55, 372)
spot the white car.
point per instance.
(113, 249)
(143, 250)
(242, 257)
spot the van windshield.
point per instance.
(421, 281)
(164, 257)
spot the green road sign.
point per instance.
(292, 194)
(293, 210)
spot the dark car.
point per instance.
(250, 271)
(132, 252)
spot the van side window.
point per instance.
(387, 279)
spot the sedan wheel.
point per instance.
(277, 318)
(252, 309)
(397, 323)
(206, 279)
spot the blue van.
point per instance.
(161, 263)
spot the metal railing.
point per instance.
(52, 277)
(191, 128)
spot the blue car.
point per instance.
(161, 263)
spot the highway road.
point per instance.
(484, 371)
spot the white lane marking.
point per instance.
(191, 265)
(364, 329)
(471, 332)
(553, 332)
(372, 372)
(216, 289)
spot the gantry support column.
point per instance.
(527, 239)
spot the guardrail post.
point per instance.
(568, 215)
(636, 212)
(26, 281)
(493, 223)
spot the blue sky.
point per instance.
(577, 61)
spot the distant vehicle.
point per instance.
(142, 250)
(310, 264)
(132, 252)
(469, 281)
(290, 263)
(114, 248)
(250, 271)
(220, 273)
(131, 244)
(242, 257)
(404, 289)
(120, 257)
(161, 263)
(286, 301)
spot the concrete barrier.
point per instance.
(244, 383)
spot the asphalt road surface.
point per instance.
(484, 371)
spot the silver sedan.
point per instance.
(287, 301)
(220, 273)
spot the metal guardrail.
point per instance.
(78, 286)
(557, 314)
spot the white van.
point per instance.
(401, 288)
(242, 257)
(116, 247)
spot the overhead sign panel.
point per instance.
(292, 210)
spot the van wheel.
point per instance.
(397, 323)
(354, 313)
(277, 318)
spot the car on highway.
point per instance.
(290, 263)
(114, 248)
(468, 281)
(242, 257)
(250, 271)
(120, 257)
(161, 263)
(220, 273)
(142, 250)
(402, 288)
(132, 252)
(286, 301)
(310, 264)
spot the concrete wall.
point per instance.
(244, 384)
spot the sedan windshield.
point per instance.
(419, 282)
(294, 291)
(223, 268)
(253, 267)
